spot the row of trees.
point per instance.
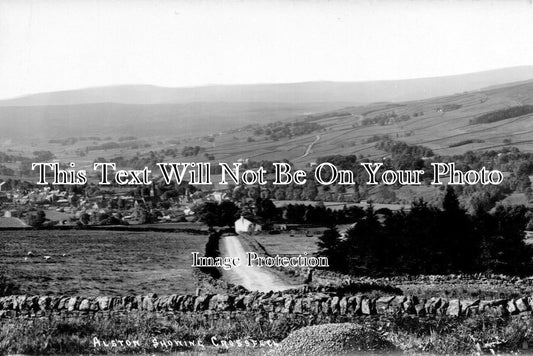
(503, 114)
(427, 240)
(226, 212)
(424, 240)
(387, 118)
(189, 151)
(278, 130)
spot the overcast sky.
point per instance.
(56, 45)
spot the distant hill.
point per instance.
(309, 92)
(144, 110)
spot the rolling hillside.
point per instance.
(298, 131)
(167, 120)
(442, 124)
(169, 112)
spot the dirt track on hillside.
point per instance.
(309, 148)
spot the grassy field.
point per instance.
(288, 243)
(11, 222)
(100, 262)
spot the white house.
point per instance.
(188, 211)
(246, 226)
(218, 196)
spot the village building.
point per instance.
(243, 225)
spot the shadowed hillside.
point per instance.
(169, 120)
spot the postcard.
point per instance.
(325, 177)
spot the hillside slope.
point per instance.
(443, 124)
(167, 120)
(300, 132)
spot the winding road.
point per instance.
(250, 277)
(310, 147)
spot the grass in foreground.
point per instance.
(133, 334)
(474, 334)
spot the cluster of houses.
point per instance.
(120, 206)
(63, 207)
(115, 206)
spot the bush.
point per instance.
(36, 219)
(7, 287)
(503, 114)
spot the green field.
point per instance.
(290, 243)
(100, 262)
(11, 222)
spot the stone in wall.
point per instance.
(470, 307)
(383, 303)
(103, 302)
(454, 308)
(522, 305)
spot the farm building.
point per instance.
(245, 225)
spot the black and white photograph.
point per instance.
(266, 178)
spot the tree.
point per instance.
(450, 202)
(266, 209)
(37, 219)
(85, 219)
(331, 246)
(208, 213)
(459, 244)
(310, 190)
(365, 244)
(43, 156)
(228, 213)
(504, 248)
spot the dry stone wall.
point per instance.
(271, 305)
(326, 277)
